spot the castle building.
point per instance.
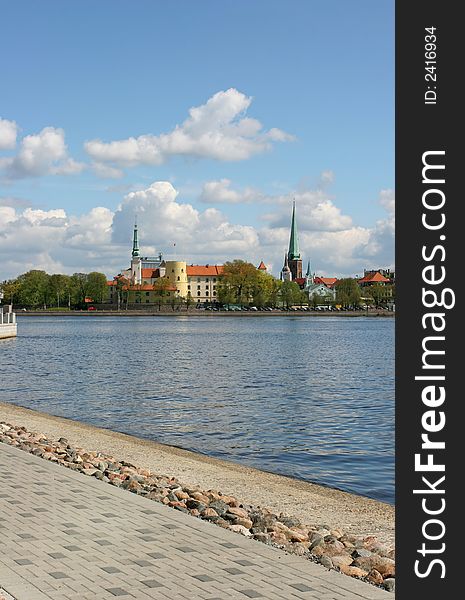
(140, 266)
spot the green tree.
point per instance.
(347, 292)
(34, 289)
(239, 280)
(161, 288)
(59, 290)
(97, 286)
(290, 294)
(10, 289)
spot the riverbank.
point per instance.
(306, 501)
(205, 313)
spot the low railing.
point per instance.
(7, 318)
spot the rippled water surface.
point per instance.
(312, 398)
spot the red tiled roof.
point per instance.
(212, 270)
(150, 273)
(147, 288)
(300, 280)
(111, 283)
(262, 266)
(374, 278)
(327, 281)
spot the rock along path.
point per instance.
(65, 536)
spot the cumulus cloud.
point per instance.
(8, 133)
(166, 221)
(44, 153)
(316, 210)
(100, 239)
(220, 192)
(217, 129)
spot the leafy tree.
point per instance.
(347, 292)
(10, 290)
(290, 293)
(59, 290)
(241, 278)
(34, 289)
(188, 300)
(96, 286)
(161, 288)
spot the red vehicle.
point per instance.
(91, 308)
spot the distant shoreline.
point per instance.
(204, 313)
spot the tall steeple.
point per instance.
(295, 261)
(293, 241)
(135, 241)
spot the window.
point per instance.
(214, 280)
(214, 287)
(198, 293)
(179, 279)
(198, 287)
(214, 293)
(198, 279)
(147, 293)
(147, 301)
(172, 270)
(206, 293)
(182, 270)
(207, 280)
(188, 287)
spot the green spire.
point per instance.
(294, 242)
(309, 270)
(135, 242)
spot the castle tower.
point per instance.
(136, 262)
(294, 258)
(135, 242)
(176, 272)
(286, 274)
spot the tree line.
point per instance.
(241, 284)
(38, 289)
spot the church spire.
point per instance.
(293, 241)
(135, 241)
(309, 270)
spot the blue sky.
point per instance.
(295, 100)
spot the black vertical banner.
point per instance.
(429, 430)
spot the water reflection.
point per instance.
(307, 397)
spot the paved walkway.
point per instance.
(64, 535)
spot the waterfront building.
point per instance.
(202, 282)
(143, 268)
(373, 278)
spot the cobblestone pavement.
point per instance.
(64, 535)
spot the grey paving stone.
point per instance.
(138, 548)
(152, 583)
(110, 569)
(118, 592)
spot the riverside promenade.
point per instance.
(65, 536)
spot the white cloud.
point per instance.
(163, 221)
(217, 129)
(44, 153)
(220, 192)
(8, 133)
(101, 239)
(106, 171)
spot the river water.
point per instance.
(311, 398)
